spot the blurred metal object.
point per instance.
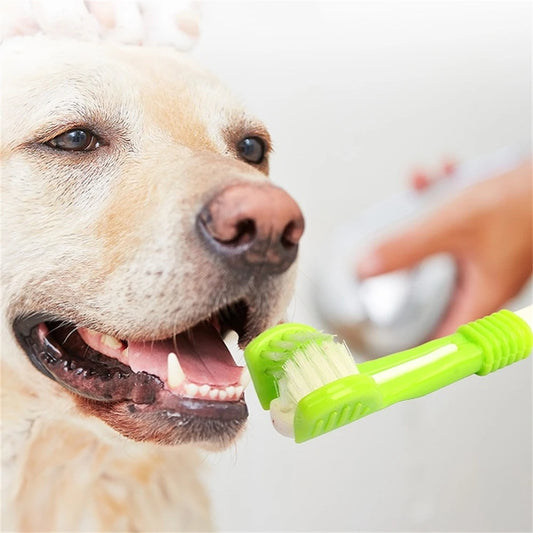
(395, 311)
(392, 312)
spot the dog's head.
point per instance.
(139, 227)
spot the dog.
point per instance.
(139, 226)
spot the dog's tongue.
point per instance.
(201, 352)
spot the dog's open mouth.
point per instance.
(191, 373)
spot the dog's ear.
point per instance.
(153, 22)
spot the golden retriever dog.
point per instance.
(138, 228)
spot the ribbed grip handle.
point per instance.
(503, 337)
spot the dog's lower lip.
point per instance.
(85, 377)
(118, 384)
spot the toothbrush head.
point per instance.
(267, 353)
(309, 381)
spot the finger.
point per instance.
(436, 234)
(17, 19)
(128, 27)
(188, 21)
(66, 18)
(449, 229)
(175, 24)
(103, 12)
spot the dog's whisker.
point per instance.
(74, 329)
(174, 341)
(59, 325)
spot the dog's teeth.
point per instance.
(176, 376)
(111, 342)
(245, 379)
(204, 390)
(125, 354)
(191, 389)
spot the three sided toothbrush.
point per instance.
(312, 385)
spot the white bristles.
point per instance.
(308, 369)
(313, 367)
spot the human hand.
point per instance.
(488, 229)
(126, 21)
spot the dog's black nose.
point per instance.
(253, 226)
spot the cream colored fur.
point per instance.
(105, 240)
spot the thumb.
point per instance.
(403, 250)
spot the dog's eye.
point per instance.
(76, 140)
(252, 149)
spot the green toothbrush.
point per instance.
(312, 385)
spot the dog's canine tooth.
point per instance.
(191, 389)
(230, 391)
(238, 391)
(176, 376)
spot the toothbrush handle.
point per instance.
(479, 347)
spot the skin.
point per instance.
(488, 229)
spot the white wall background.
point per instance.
(356, 94)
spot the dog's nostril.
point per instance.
(245, 232)
(226, 231)
(291, 234)
(253, 226)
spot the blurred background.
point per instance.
(357, 94)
